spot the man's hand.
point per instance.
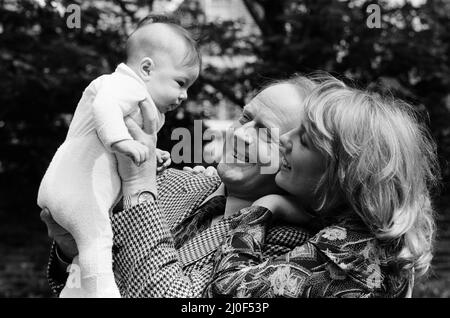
(163, 160)
(135, 179)
(284, 208)
(63, 239)
(133, 149)
(208, 171)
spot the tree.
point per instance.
(46, 66)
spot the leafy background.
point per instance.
(45, 66)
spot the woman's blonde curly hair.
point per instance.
(381, 161)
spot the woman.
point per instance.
(364, 167)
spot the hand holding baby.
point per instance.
(140, 153)
(133, 149)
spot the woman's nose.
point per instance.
(285, 140)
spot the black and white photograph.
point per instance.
(224, 149)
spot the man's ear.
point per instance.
(146, 67)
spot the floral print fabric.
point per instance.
(339, 261)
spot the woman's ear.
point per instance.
(146, 67)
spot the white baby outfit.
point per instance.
(82, 184)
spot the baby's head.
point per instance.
(166, 58)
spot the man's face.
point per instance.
(170, 81)
(276, 107)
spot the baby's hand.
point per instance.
(138, 152)
(163, 160)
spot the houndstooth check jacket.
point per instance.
(146, 264)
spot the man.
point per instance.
(165, 248)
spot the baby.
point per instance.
(82, 184)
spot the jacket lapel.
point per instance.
(182, 193)
(204, 243)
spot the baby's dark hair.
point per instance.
(157, 18)
(193, 56)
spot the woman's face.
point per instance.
(302, 165)
(276, 107)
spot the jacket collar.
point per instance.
(124, 69)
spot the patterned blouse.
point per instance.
(342, 260)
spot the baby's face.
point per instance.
(170, 81)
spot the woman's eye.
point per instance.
(303, 140)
